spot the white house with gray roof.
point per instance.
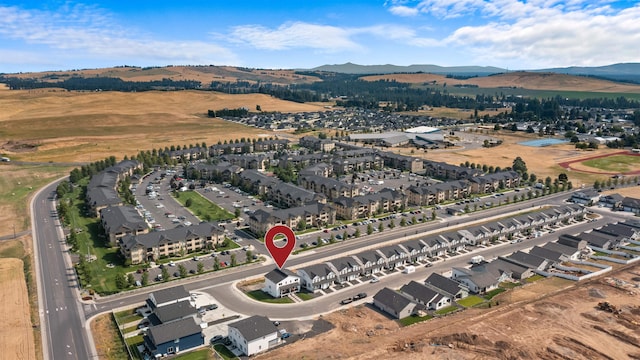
(280, 282)
(254, 334)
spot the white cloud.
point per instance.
(402, 10)
(295, 35)
(89, 32)
(551, 37)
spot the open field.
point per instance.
(16, 333)
(520, 80)
(617, 164)
(204, 74)
(17, 184)
(83, 126)
(549, 319)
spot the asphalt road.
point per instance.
(61, 317)
(64, 316)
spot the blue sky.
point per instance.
(515, 34)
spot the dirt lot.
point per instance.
(16, 334)
(549, 319)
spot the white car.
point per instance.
(374, 280)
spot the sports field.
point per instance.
(622, 162)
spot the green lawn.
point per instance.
(224, 352)
(470, 301)
(305, 296)
(134, 340)
(535, 278)
(264, 297)
(230, 245)
(446, 310)
(413, 319)
(202, 207)
(508, 285)
(204, 354)
(615, 163)
(126, 316)
(490, 294)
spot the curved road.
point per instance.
(64, 317)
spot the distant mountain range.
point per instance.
(618, 72)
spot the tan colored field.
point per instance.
(526, 80)
(16, 334)
(549, 319)
(204, 74)
(83, 126)
(633, 191)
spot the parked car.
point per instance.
(374, 280)
(285, 335)
(346, 301)
(216, 338)
(360, 296)
(212, 307)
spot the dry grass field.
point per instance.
(16, 334)
(86, 126)
(526, 80)
(204, 74)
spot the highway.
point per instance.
(61, 317)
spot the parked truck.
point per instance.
(477, 259)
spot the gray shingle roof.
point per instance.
(442, 284)
(392, 299)
(254, 327)
(163, 333)
(419, 291)
(165, 295)
(171, 312)
(276, 275)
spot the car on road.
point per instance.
(346, 301)
(212, 307)
(374, 280)
(360, 296)
(276, 323)
(285, 335)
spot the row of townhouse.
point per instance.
(316, 215)
(442, 170)
(249, 147)
(348, 268)
(101, 190)
(620, 203)
(612, 236)
(431, 194)
(386, 200)
(179, 241)
(331, 188)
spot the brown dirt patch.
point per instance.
(108, 344)
(549, 319)
(16, 333)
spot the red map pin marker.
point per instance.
(280, 254)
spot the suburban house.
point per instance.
(599, 240)
(167, 296)
(346, 268)
(173, 312)
(254, 334)
(174, 337)
(446, 286)
(372, 262)
(586, 197)
(317, 276)
(151, 246)
(118, 221)
(613, 201)
(394, 304)
(631, 205)
(529, 260)
(280, 282)
(424, 295)
(480, 278)
(395, 255)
